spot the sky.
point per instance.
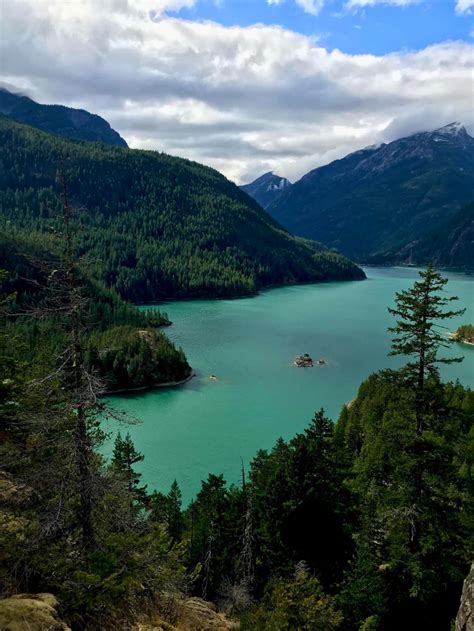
(248, 86)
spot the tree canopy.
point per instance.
(153, 227)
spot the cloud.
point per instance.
(356, 4)
(310, 6)
(464, 6)
(313, 7)
(244, 100)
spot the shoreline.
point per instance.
(254, 294)
(454, 337)
(167, 384)
(468, 271)
(261, 290)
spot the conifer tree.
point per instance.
(125, 456)
(175, 518)
(417, 332)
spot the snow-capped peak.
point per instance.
(453, 129)
(278, 185)
(373, 147)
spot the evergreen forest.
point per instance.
(363, 523)
(152, 227)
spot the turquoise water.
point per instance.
(207, 426)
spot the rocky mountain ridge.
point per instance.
(266, 188)
(381, 203)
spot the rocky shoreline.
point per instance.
(167, 384)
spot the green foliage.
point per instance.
(380, 512)
(413, 540)
(371, 624)
(294, 605)
(210, 529)
(465, 333)
(175, 519)
(58, 119)
(419, 311)
(376, 512)
(69, 524)
(301, 507)
(153, 227)
(167, 510)
(129, 358)
(124, 457)
(127, 568)
(122, 345)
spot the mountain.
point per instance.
(123, 343)
(267, 188)
(153, 227)
(452, 244)
(58, 119)
(382, 203)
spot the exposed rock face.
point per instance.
(386, 203)
(30, 612)
(303, 361)
(465, 617)
(191, 614)
(37, 612)
(266, 188)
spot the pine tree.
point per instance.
(419, 310)
(125, 456)
(175, 517)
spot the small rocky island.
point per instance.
(464, 334)
(303, 361)
(306, 361)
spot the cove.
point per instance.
(206, 426)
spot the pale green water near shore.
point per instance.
(206, 426)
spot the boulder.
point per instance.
(190, 614)
(465, 617)
(30, 612)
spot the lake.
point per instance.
(249, 344)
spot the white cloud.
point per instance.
(355, 4)
(464, 6)
(313, 7)
(244, 100)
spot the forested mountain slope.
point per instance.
(58, 119)
(451, 244)
(124, 346)
(153, 226)
(383, 202)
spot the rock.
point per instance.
(30, 612)
(197, 615)
(303, 361)
(190, 614)
(465, 617)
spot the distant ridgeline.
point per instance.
(267, 188)
(58, 119)
(123, 344)
(409, 201)
(151, 226)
